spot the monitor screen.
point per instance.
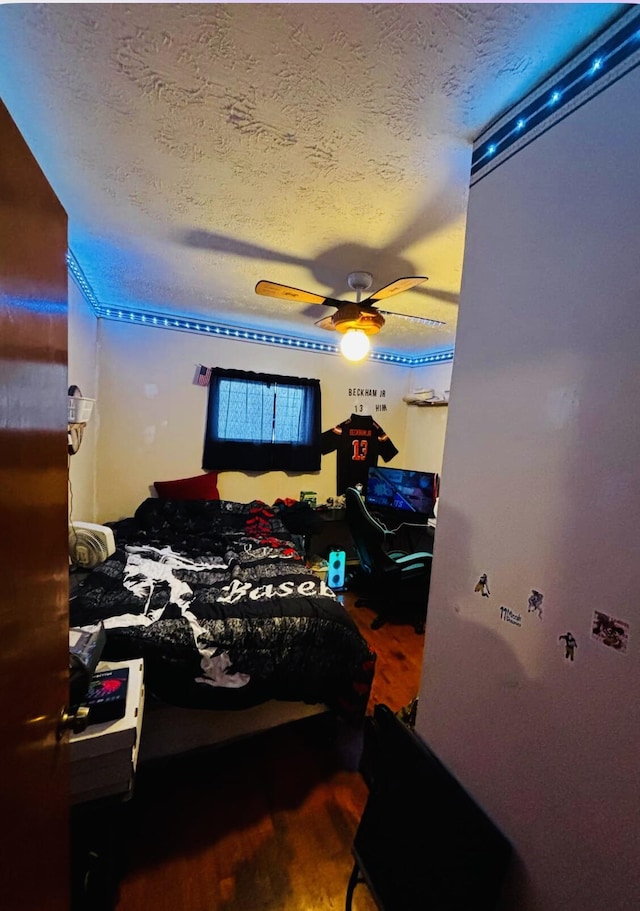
(403, 489)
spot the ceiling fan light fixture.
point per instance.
(355, 345)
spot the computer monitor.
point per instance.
(402, 489)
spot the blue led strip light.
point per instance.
(236, 333)
(204, 327)
(82, 283)
(607, 58)
(440, 358)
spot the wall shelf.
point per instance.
(429, 404)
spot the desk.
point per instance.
(333, 534)
(413, 531)
(413, 535)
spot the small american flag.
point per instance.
(203, 375)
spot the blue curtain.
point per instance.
(262, 422)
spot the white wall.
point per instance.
(541, 490)
(152, 416)
(426, 425)
(82, 372)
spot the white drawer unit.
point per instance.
(103, 758)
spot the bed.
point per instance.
(236, 633)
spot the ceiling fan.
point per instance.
(362, 316)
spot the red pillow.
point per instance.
(202, 487)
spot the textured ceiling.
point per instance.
(199, 148)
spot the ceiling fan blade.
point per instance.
(396, 287)
(326, 323)
(415, 319)
(285, 292)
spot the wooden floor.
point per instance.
(265, 824)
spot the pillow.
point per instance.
(202, 487)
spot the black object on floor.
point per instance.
(97, 856)
(422, 841)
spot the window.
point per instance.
(262, 422)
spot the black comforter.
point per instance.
(219, 603)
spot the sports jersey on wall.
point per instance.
(358, 442)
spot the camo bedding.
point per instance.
(216, 598)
